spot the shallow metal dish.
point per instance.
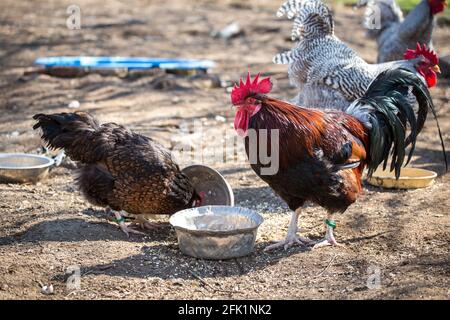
(205, 179)
(410, 178)
(216, 232)
(22, 167)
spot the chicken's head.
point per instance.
(437, 6)
(428, 65)
(243, 97)
(198, 199)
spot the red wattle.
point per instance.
(436, 6)
(241, 121)
(431, 79)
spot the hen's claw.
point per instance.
(142, 223)
(127, 230)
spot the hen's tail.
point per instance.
(387, 114)
(73, 132)
(312, 19)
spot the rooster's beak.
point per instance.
(436, 69)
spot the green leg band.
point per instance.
(330, 223)
(121, 219)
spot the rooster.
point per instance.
(328, 72)
(120, 170)
(322, 153)
(393, 33)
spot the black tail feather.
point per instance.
(388, 114)
(72, 132)
(440, 137)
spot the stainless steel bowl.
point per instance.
(216, 189)
(216, 232)
(22, 167)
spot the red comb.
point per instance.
(422, 51)
(241, 92)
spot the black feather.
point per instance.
(392, 115)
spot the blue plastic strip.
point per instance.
(124, 62)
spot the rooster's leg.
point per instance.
(329, 237)
(144, 224)
(291, 237)
(121, 221)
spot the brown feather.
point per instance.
(312, 144)
(122, 169)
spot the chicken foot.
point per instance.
(329, 237)
(121, 221)
(291, 237)
(143, 223)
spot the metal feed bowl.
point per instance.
(216, 189)
(216, 232)
(208, 181)
(22, 167)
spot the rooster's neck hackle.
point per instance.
(296, 125)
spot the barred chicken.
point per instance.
(123, 171)
(322, 153)
(329, 73)
(384, 22)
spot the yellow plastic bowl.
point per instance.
(410, 178)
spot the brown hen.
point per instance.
(120, 170)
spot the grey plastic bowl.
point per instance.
(22, 167)
(216, 232)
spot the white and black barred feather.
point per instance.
(328, 73)
(311, 18)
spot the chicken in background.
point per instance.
(322, 153)
(326, 71)
(393, 33)
(119, 169)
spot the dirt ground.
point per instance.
(48, 227)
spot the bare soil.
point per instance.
(46, 228)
